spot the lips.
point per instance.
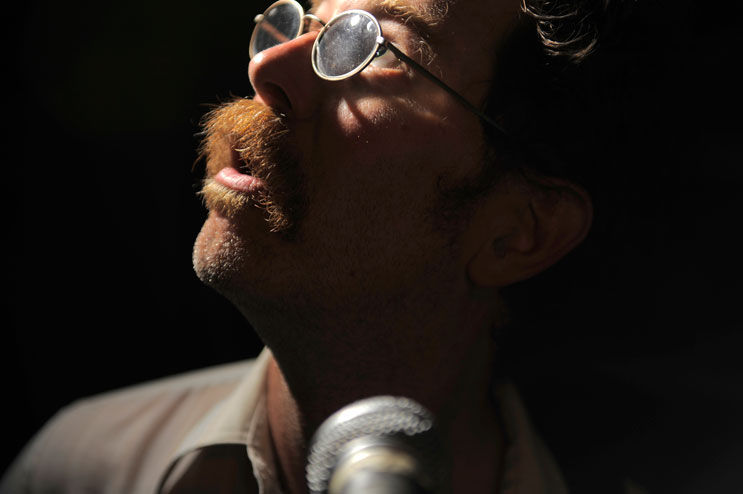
(240, 182)
(233, 178)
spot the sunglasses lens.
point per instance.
(280, 24)
(345, 45)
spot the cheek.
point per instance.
(377, 176)
(374, 174)
(377, 161)
(381, 156)
(382, 131)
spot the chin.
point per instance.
(239, 258)
(220, 254)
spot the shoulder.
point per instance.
(121, 441)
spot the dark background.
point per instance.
(101, 153)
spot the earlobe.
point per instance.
(554, 217)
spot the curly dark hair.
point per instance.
(572, 29)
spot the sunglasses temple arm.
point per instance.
(441, 84)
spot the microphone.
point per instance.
(379, 445)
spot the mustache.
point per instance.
(261, 142)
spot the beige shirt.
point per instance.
(160, 435)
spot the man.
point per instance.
(366, 228)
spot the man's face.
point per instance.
(348, 182)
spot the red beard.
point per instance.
(254, 139)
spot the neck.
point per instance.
(452, 380)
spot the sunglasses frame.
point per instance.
(381, 43)
(374, 53)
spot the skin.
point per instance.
(373, 296)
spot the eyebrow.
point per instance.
(425, 21)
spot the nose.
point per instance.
(283, 78)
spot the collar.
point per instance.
(238, 419)
(241, 419)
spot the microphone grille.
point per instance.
(381, 417)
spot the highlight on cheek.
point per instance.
(371, 114)
(255, 140)
(348, 119)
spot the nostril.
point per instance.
(283, 79)
(275, 97)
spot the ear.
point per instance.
(528, 230)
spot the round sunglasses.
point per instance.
(343, 48)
